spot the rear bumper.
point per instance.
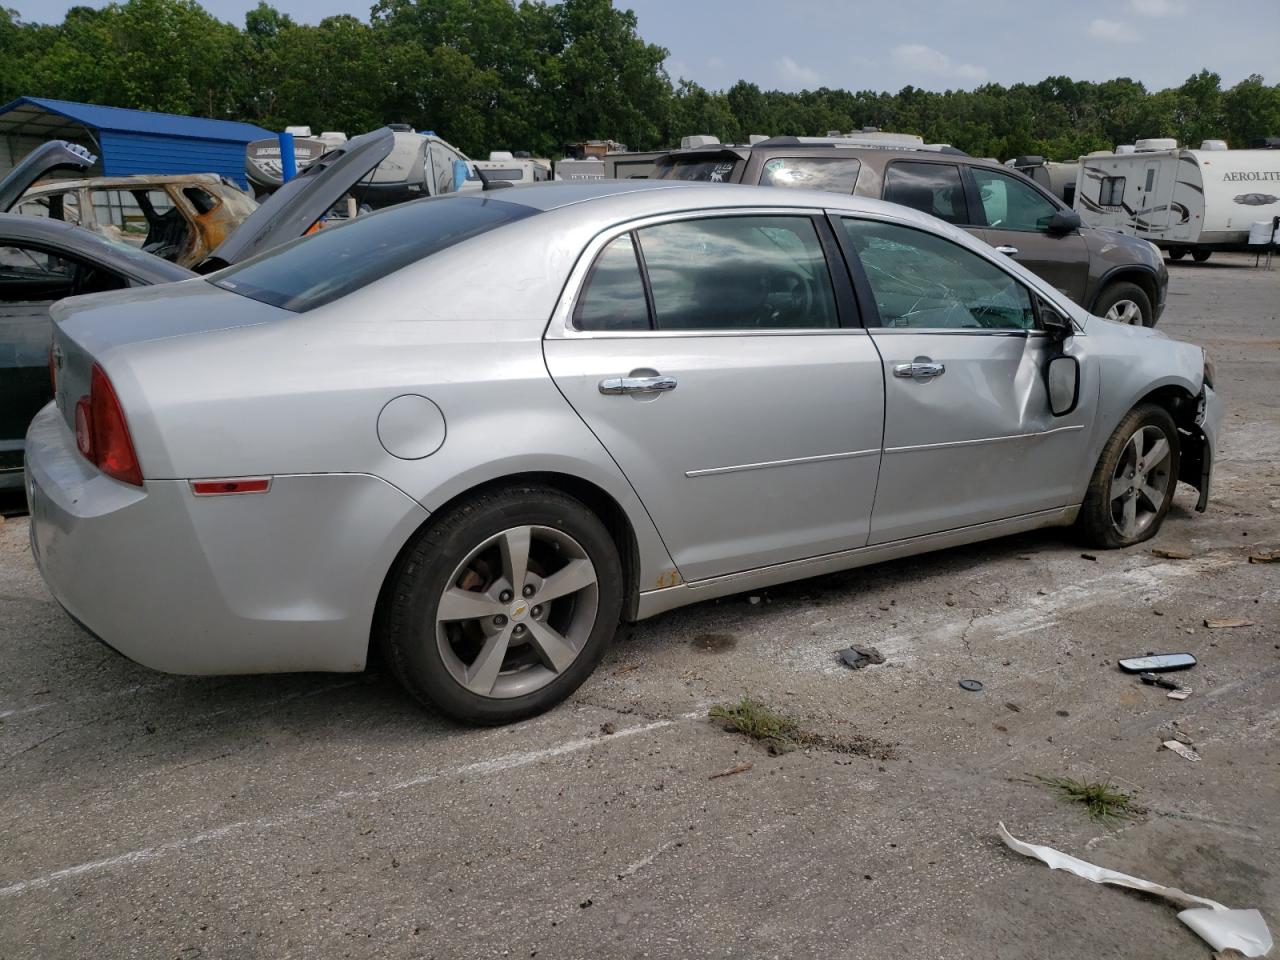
(262, 583)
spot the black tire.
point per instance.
(1095, 524)
(407, 631)
(1177, 253)
(1200, 256)
(1120, 290)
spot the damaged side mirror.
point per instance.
(1063, 379)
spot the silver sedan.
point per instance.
(479, 430)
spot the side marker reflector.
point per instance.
(222, 488)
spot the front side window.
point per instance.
(835, 174)
(613, 296)
(923, 281)
(738, 273)
(932, 188)
(1011, 204)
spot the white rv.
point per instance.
(1183, 201)
(504, 165)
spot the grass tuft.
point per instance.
(758, 721)
(1102, 801)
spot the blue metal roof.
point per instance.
(143, 121)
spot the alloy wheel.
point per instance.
(1125, 311)
(517, 611)
(1140, 484)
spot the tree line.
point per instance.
(535, 75)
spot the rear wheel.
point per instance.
(1125, 302)
(504, 606)
(1133, 483)
(1200, 256)
(1177, 253)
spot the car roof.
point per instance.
(87, 245)
(136, 180)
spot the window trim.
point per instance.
(966, 186)
(871, 311)
(561, 327)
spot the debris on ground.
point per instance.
(1013, 706)
(627, 669)
(781, 734)
(740, 768)
(1178, 694)
(1155, 680)
(1226, 623)
(608, 728)
(1088, 556)
(1103, 802)
(1182, 750)
(858, 657)
(1170, 554)
(1265, 556)
(973, 686)
(1221, 927)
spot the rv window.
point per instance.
(1111, 193)
(1151, 178)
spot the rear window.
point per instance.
(314, 270)
(717, 169)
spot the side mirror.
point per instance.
(1064, 221)
(1063, 376)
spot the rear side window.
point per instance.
(613, 298)
(738, 273)
(835, 174)
(701, 169)
(318, 269)
(932, 188)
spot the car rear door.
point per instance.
(718, 359)
(1014, 218)
(969, 436)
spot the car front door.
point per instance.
(969, 435)
(718, 360)
(1015, 220)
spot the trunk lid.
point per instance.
(44, 159)
(289, 212)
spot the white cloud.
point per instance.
(918, 57)
(1112, 31)
(793, 74)
(1158, 8)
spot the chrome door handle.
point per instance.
(922, 369)
(633, 385)
(1007, 250)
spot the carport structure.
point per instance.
(127, 141)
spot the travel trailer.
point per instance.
(1183, 201)
(262, 164)
(513, 167)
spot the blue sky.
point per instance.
(887, 44)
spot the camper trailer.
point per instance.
(1183, 201)
(514, 167)
(264, 168)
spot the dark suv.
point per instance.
(1118, 277)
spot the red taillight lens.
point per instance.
(102, 433)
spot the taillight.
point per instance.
(102, 434)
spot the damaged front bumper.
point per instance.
(1200, 444)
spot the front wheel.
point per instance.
(504, 605)
(1133, 483)
(1177, 253)
(1125, 302)
(1200, 256)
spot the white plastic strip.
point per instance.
(1221, 927)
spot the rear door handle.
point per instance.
(922, 368)
(634, 385)
(1007, 250)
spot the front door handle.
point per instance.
(921, 368)
(1007, 250)
(634, 385)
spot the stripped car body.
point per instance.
(277, 522)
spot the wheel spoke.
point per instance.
(459, 604)
(1130, 525)
(1120, 485)
(514, 546)
(1157, 454)
(483, 672)
(576, 575)
(1138, 442)
(553, 648)
(1153, 496)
